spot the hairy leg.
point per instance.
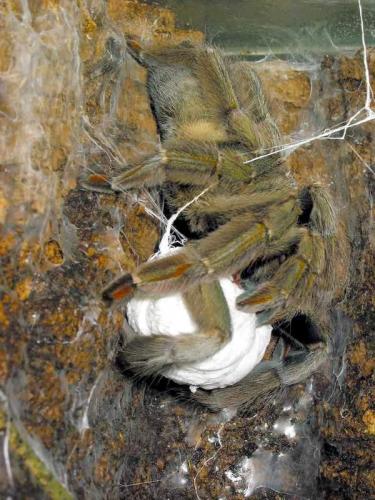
(187, 163)
(147, 355)
(293, 286)
(223, 252)
(268, 376)
(253, 102)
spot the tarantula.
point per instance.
(253, 222)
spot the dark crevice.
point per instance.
(301, 328)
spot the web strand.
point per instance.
(353, 121)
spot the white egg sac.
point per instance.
(169, 316)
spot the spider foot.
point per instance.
(96, 181)
(264, 300)
(122, 289)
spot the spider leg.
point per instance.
(268, 376)
(290, 283)
(225, 251)
(263, 131)
(251, 197)
(198, 163)
(190, 163)
(208, 308)
(148, 173)
(245, 109)
(291, 287)
(99, 182)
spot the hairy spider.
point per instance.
(212, 116)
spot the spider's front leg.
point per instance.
(230, 248)
(206, 303)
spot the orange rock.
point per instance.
(24, 288)
(359, 356)
(288, 93)
(3, 316)
(53, 252)
(138, 18)
(369, 420)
